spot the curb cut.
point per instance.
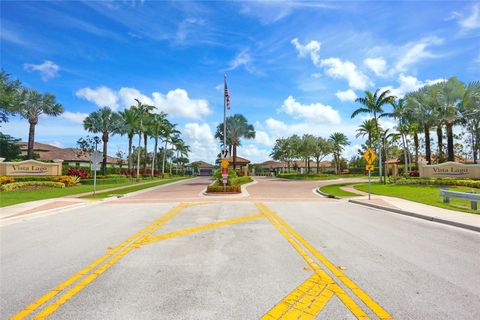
(417, 215)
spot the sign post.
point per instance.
(224, 166)
(95, 158)
(369, 156)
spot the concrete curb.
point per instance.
(419, 216)
(242, 194)
(326, 195)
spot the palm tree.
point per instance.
(237, 128)
(10, 94)
(156, 125)
(143, 113)
(338, 141)
(106, 122)
(321, 149)
(167, 134)
(32, 105)
(373, 104)
(470, 111)
(399, 113)
(130, 125)
(450, 95)
(367, 128)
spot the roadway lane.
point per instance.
(239, 264)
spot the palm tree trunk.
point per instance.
(171, 165)
(234, 146)
(164, 157)
(415, 142)
(428, 153)
(318, 165)
(31, 139)
(145, 140)
(130, 143)
(138, 153)
(450, 146)
(105, 149)
(405, 156)
(154, 155)
(440, 143)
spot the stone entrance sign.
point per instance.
(31, 168)
(450, 169)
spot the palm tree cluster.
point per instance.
(27, 103)
(437, 107)
(139, 120)
(237, 128)
(310, 147)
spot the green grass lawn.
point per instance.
(134, 188)
(334, 190)
(20, 196)
(318, 176)
(420, 193)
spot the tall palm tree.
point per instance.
(470, 111)
(156, 125)
(450, 94)
(32, 105)
(130, 126)
(143, 113)
(338, 141)
(106, 122)
(237, 128)
(167, 134)
(373, 104)
(399, 113)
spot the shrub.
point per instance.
(414, 174)
(79, 172)
(471, 183)
(235, 188)
(69, 181)
(16, 185)
(5, 179)
(105, 181)
(240, 180)
(232, 174)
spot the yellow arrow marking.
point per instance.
(114, 255)
(201, 228)
(351, 305)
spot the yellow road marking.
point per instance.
(305, 302)
(347, 301)
(201, 228)
(51, 294)
(369, 302)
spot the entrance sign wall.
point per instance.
(450, 169)
(31, 168)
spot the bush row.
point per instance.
(235, 188)
(441, 181)
(16, 185)
(240, 180)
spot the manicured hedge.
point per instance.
(471, 183)
(34, 178)
(235, 188)
(105, 181)
(16, 185)
(240, 180)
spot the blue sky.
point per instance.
(293, 67)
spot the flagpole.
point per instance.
(224, 113)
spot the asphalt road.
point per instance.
(294, 256)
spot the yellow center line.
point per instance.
(201, 228)
(369, 302)
(130, 241)
(347, 301)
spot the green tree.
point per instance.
(156, 126)
(470, 115)
(321, 149)
(32, 105)
(143, 111)
(105, 122)
(338, 141)
(368, 128)
(237, 128)
(10, 95)
(9, 147)
(130, 124)
(373, 104)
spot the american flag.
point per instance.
(227, 95)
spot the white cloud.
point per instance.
(312, 48)
(76, 117)
(469, 21)
(346, 96)
(47, 69)
(336, 68)
(261, 137)
(377, 65)
(101, 96)
(201, 141)
(243, 58)
(253, 153)
(178, 103)
(409, 84)
(416, 51)
(174, 102)
(315, 112)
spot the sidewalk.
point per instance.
(460, 219)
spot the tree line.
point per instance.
(140, 120)
(309, 147)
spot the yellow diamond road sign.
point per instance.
(370, 156)
(224, 164)
(369, 167)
